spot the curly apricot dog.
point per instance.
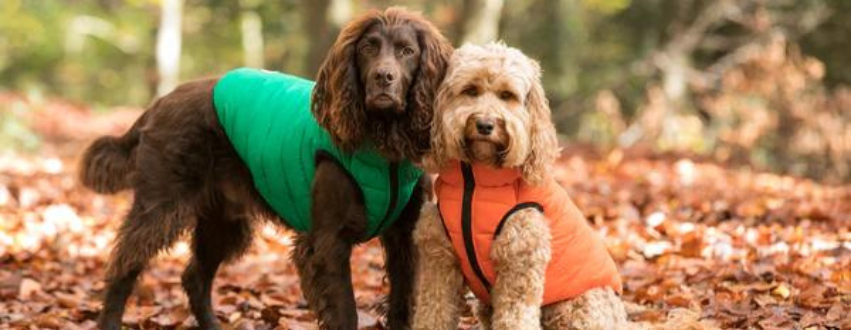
(502, 224)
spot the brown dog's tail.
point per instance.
(107, 162)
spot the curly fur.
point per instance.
(439, 292)
(522, 250)
(520, 255)
(484, 313)
(597, 309)
(338, 97)
(532, 142)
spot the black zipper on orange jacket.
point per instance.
(467, 222)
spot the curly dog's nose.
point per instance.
(485, 126)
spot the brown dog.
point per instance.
(377, 84)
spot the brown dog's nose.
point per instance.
(385, 75)
(484, 126)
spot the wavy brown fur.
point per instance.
(108, 162)
(187, 178)
(338, 97)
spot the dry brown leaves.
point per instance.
(55, 237)
(748, 250)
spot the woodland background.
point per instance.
(708, 141)
(762, 82)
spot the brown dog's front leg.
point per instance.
(399, 251)
(322, 254)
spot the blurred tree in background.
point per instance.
(759, 82)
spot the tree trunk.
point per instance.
(168, 45)
(675, 78)
(251, 27)
(480, 21)
(322, 22)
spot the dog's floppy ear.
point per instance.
(435, 52)
(435, 159)
(543, 140)
(337, 101)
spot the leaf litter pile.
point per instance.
(742, 249)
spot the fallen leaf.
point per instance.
(28, 288)
(781, 291)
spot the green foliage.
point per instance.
(15, 133)
(83, 51)
(102, 53)
(606, 6)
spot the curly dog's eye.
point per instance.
(507, 96)
(470, 91)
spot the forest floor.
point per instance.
(744, 249)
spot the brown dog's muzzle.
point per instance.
(385, 75)
(386, 94)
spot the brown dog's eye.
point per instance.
(367, 48)
(471, 91)
(407, 51)
(506, 96)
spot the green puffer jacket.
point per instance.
(267, 118)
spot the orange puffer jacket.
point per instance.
(474, 202)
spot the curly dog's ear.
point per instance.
(337, 101)
(437, 156)
(543, 139)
